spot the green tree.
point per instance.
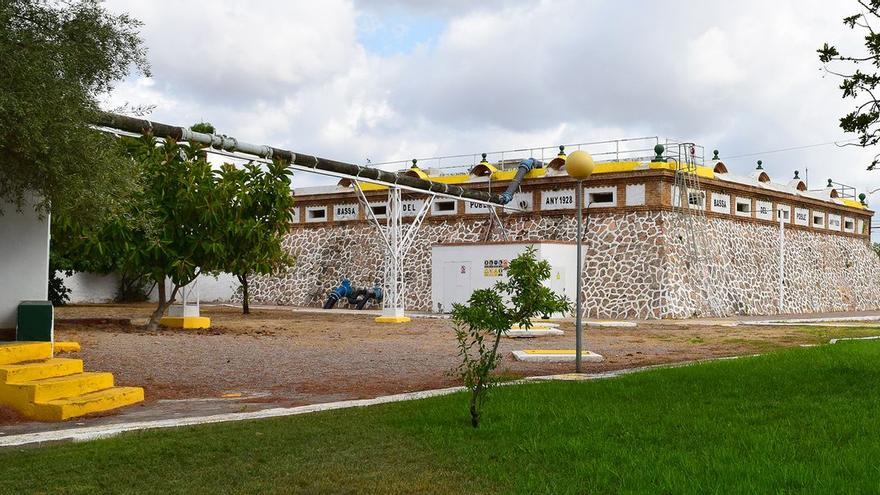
(491, 312)
(172, 227)
(256, 213)
(857, 84)
(56, 60)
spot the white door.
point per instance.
(557, 281)
(456, 283)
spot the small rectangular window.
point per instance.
(445, 205)
(849, 225)
(696, 199)
(818, 221)
(744, 207)
(316, 214)
(379, 210)
(601, 197)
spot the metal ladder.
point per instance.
(689, 202)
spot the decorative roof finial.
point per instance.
(715, 157)
(830, 183)
(484, 159)
(561, 153)
(796, 175)
(414, 163)
(862, 197)
(658, 150)
(760, 163)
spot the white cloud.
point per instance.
(741, 77)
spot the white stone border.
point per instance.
(105, 431)
(530, 357)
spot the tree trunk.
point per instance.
(475, 412)
(153, 324)
(479, 389)
(245, 297)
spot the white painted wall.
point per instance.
(24, 260)
(458, 270)
(94, 288)
(91, 287)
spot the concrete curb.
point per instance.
(105, 431)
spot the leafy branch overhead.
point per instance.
(857, 84)
(57, 59)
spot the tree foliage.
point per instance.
(186, 218)
(56, 60)
(490, 312)
(257, 214)
(858, 84)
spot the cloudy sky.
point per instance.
(386, 80)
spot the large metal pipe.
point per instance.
(524, 167)
(160, 130)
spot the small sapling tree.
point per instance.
(257, 213)
(480, 323)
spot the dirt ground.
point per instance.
(286, 357)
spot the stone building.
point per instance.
(646, 254)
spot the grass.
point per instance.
(794, 421)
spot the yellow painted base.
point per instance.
(393, 319)
(186, 322)
(46, 388)
(67, 347)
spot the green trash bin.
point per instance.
(35, 321)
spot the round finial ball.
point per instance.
(862, 197)
(561, 148)
(659, 149)
(579, 165)
(796, 174)
(830, 183)
(716, 154)
(484, 156)
(414, 162)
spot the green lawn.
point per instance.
(799, 420)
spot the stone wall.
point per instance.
(823, 272)
(637, 264)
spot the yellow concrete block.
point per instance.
(61, 386)
(38, 370)
(393, 319)
(19, 352)
(186, 322)
(103, 400)
(67, 347)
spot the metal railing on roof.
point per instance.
(614, 150)
(843, 190)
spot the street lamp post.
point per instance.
(579, 165)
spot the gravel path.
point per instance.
(283, 357)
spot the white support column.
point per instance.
(397, 239)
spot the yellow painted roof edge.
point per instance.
(601, 168)
(852, 202)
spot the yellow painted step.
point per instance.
(103, 400)
(64, 386)
(19, 352)
(38, 370)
